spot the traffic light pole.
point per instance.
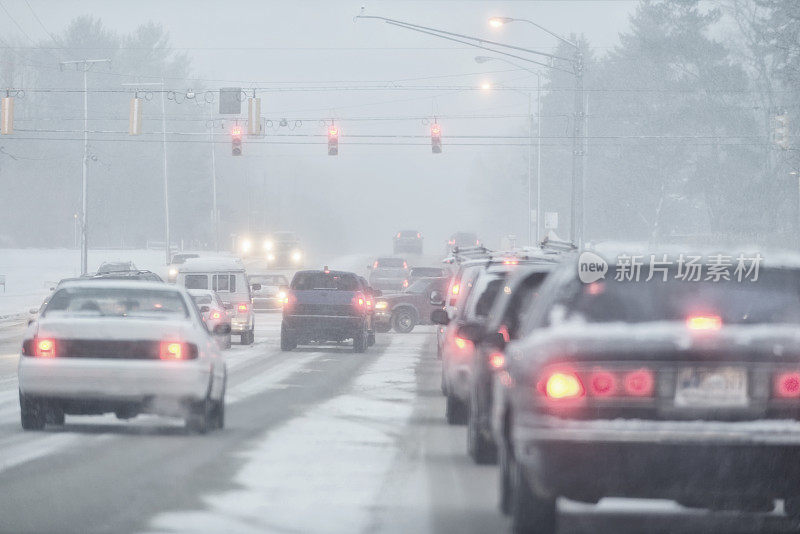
(214, 213)
(166, 181)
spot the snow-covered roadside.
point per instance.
(322, 471)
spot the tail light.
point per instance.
(216, 315)
(510, 262)
(419, 235)
(172, 350)
(704, 322)
(375, 265)
(45, 348)
(497, 360)
(599, 383)
(242, 307)
(562, 385)
(405, 265)
(787, 385)
(405, 283)
(369, 304)
(359, 301)
(455, 290)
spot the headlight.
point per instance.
(381, 305)
(246, 244)
(173, 272)
(281, 295)
(296, 255)
(271, 257)
(268, 245)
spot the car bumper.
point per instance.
(383, 318)
(324, 327)
(241, 325)
(120, 380)
(680, 460)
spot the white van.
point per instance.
(227, 277)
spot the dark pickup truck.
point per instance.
(403, 311)
(325, 306)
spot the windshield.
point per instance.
(202, 299)
(114, 302)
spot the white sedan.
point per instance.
(122, 347)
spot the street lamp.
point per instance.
(484, 59)
(576, 219)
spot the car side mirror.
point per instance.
(255, 287)
(471, 331)
(440, 317)
(436, 298)
(204, 309)
(222, 329)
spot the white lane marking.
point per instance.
(31, 449)
(270, 378)
(332, 460)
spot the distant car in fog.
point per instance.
(116, 267)
(461, 240)
(415, 273)
(176, 262)
(413, 306)
(227, 277)
(658, 389)
(389, 274)
(272, 292)
(407, 241)
(121, 347)
(277, 250)
(141, 274)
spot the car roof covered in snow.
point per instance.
(120, 284)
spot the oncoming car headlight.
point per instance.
(381, 305)
(296, 255)
(271, 257)
(173, 272)
(246, 245)
(268, 245)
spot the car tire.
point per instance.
(228, 342)
(201, 417)
(32, 413)
(248, 337)
(530, 513)
(288, 341)
(481, 450)
(403, 321)
(219, 407)
(370, 339)
(360, 342)
(455, 411)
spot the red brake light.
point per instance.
(405, 283)
(45, 348)
(602, 384)
(242, 308)
(405, 265)
(419, 236)
(787, 385)
(704, 322)
(497, 360)
(510, 262)
(171, 350)
(375, 265)
(639, 383)
(562, 385)
(216, 315)
(236, 131)
(455, 289)
(333, 131)
(398, 234)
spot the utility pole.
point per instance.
(84, 65)
(576, 222)
(214, 211)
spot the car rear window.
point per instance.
(269, 280)
(483, 295)
(196, 281)
(224, 283)
(390, 263)
(201, 299)
(409, 233)
(116, 302)
(321, 280)
(773, 298)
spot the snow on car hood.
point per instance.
(117, 328)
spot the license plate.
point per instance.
(711, 387)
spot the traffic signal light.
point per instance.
(333, 141)
(436, 138)
(781, 132)
(236, 140)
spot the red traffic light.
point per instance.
(333, 141)
(333, 131)
(436, 138)
(436, 130)
(236, 131)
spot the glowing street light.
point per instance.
(496, 22)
